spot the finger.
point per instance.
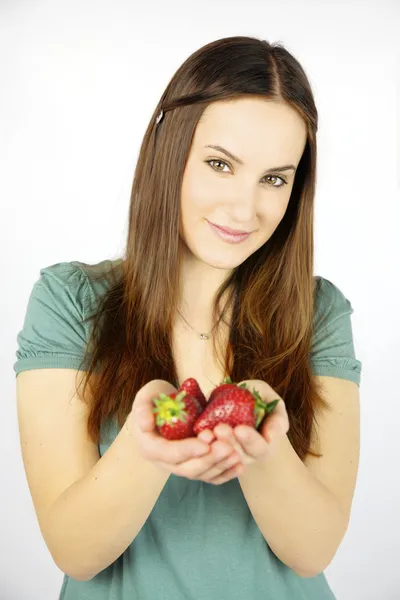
(224, 432)
(278, 417)
(227, 475)
(277, 422)
(143, 401)
(215, 462)
(173, 452)
(206, 435)
(224, 474)
(231, 463)
(253, 443)
(155, 446)
(280, 413)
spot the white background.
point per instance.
(78, 84)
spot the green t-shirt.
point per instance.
(200, 541)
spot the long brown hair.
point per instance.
(272, 293)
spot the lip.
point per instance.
(228, 237)
(231, 231)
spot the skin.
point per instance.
(263, 134)
(217, 463)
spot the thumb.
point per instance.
(143, 402)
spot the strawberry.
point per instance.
(192, 387)
(234, 405)
(226, 385)
(176, 414)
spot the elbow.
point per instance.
(65, 554)
(308, 574)
(81, 572)
(81, 575)
(313, 569)
(73, 573)
(86, 578)
(309, 571)
(317, 567)
(78, 576)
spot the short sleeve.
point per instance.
(53, 333)
(332, 351)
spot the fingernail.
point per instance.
(206, 436)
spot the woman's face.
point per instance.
(249, 197)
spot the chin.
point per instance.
(222, 262)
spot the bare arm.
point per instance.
(94, 520)
(90, 508)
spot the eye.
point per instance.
(217, 160)
(284, 182)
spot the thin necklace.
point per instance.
(202, 336)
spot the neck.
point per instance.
(198, 288)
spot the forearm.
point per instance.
(297, 515)
(93, 522)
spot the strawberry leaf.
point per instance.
(271, 405)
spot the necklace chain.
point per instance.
(202, 336)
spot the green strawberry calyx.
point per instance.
(261, 407)
(170, 410)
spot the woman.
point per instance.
(125, 513)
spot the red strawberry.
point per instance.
(192, 387)
(227, 385)
(235, 405)
(176, 414)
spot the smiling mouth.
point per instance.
(228, 237)
(231, 231)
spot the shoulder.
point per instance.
(333, 344)
(59, 285)
(99, 277)
(55, 327)
(329, 301)
(77, 282)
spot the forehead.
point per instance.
(247, 124)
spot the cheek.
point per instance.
(274, 212)
(196, 202)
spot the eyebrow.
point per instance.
(236, 159)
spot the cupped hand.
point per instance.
(253, 445)
(190, 457)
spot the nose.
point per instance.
(242, 211)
